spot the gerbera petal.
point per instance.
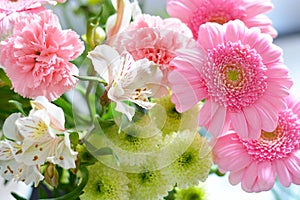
(236, 177)
(185, 94)
(258, 7)
(283, 173)
(268, 115)
(212, 32)
(240, 124)
(249, 177)
(235, 31)
(266, 176)
(252, 117)
(293, 166)
(178, 8)
(216, 125)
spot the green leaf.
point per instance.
(16, 196)
(7, 108)
(18, 105)
(92, 78)
(4, 79)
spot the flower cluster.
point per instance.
(31, 141)
(146, 93)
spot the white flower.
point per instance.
(56, 114)
(18, 171)
(41, 143)
(33, 140)
(119, 21)
(129, 80)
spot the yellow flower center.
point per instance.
(233, 75)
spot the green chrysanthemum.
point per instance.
(105, 183)
(191, 166)
(191, 193)
(134, 151)
(176, 121)
(149, 185)
(132, 140)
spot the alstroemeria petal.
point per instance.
(35, 127)
(64, 156)
(9, 128)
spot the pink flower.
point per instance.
(154, 38)
(197, 12)
(36, 57)
(256, 163)
(240, 74)
(12, 11)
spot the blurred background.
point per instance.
(285, 17)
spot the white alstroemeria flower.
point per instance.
(119, 21)
(41, 143)
(128, 80)
(56, 114)
(10, 169)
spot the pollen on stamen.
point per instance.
(35, 158)
(61, 158)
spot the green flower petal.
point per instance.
(191, 166)
(105, 183)
(149, 185)
(176, 121)
(191, 193)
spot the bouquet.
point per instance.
(144, 107)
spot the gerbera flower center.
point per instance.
(277, 144)
(218, 19)
(234, 75)
(162, 57)
(208, 12)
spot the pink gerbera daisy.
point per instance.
(156, 39)
(256, 163)
(197, 12)
(12, 10)
(240, 74)
(36, 57)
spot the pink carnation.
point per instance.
(12, 11)
(36, 57)
(156, 39)
(256, 163)
(240, 74)
(197, 12)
